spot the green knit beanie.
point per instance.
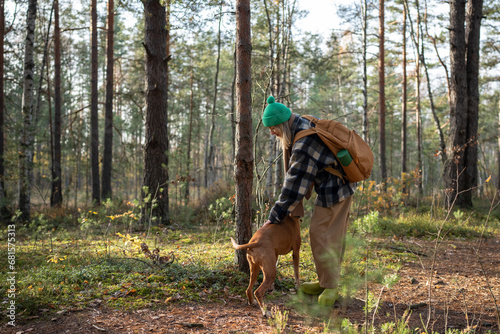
(275, 113)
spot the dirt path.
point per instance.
(461, 293)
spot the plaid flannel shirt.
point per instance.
(308, 157)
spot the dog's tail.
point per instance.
(245, 246)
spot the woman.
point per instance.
(304, 164)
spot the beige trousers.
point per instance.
(327, 233)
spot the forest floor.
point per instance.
(463, 297)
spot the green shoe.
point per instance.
(311, 288)
(328, 297)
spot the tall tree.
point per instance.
(404, 113)
(94, 120)
(156, 141)
(56, 194)
(418, 41)
(474, 15)
(418, 109)
(498, 148)
(244, 140)
(381, 99)
(460, 174)
(442, 141)
(107, 158)
(3, 204)
(210, 152)
(26, 152)
(190, 131)
(364, 20)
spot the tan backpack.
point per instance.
(345, 144)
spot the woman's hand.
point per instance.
(267, 223)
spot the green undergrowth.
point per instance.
(71, 267)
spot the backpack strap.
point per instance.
(333, 171)
(310, 118)
(308, 132)
(302, 134)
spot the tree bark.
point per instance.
(26, 152)
(233, 108)
(270, 51)
(269, 188)
(442, 141)
(190, 133)
(498, 152)
(3, 205)
(94, 121)
(244, 139)
(453, 174)
(56, 195)
(364, 8)
(156, 142)
(107, 159)
(418, 104)
(474, 14)
(210, 155)
(404, 113)
(381, 99)
(38, 103)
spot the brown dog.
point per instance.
(262, 253)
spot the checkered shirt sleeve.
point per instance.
(308, 158)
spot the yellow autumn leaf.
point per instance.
(488, 179)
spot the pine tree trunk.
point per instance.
(26, 153)
(210, 155)
(270, 51)
(454, 176)
(472, 36)
(4, 215)
(233, 109)
(442, 142)
(381, 100)
(364, 6)
(418, 104)
(56, 194)
(269, 187)
(94, 120)
(156, 141)
(244, 139)
(107, 159)
(38, 103)
(190, 133)
(404, 113)
(498, 152)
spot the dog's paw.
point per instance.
(266, 314)
(252, 303)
